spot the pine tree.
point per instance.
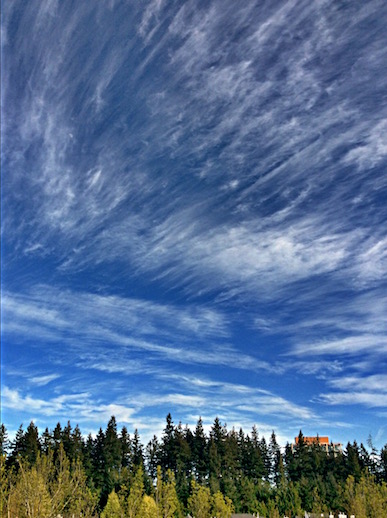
(112, 455)
(78, 444)
(66, 440)
(126, 448)
(47, 441)
(288, 500)
(137, 451)
(18, 447)
(31, 442)
(152, 455)
(274, 455)
(112, 446)
(383, 463)
(199, 452)
(168, 446)
(183, 463)
(253, 465)
(352, 461)
(265, 458)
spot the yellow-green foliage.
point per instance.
(113, 507)
(136, 494)
(199, 503)
(48, 489)
(166, 496)
(366, 499)
(149, 507)
(222, 506)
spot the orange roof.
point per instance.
(311, 440)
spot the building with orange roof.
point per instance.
(323, 442)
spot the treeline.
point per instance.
(60, 472)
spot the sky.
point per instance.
(194, 215)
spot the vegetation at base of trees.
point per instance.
(62, 473)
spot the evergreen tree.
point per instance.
(183, 463)
(57, 436)
(274, 455)
(137, 451)
(253, 464)
(168, 449)
(18, 447)
(112, 454)
(31, 443)
(47, 441)
(199, 453)
(383, 463)
(66, 440)
(99, 475)
(247, 501)
(264, 450)
(352, 461)
(126, 448)
(287, 499)
(152, 455)
(78, 445)
(88, 457)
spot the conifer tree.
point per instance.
(168, 456)
(18, 447)
(199, 452)
(126, 448)
(152, 455)
(78, 444)
(66, 441)
(383, 463)
(47, 441)
(137, 451)
(31, 443)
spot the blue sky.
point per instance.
(194, 215)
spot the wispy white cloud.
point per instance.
(233, 397)
(367, 390)
(123, 326)
(369, 399)
(374, 382)
(350, 346)
(43, 380)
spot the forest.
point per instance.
(60, 472)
